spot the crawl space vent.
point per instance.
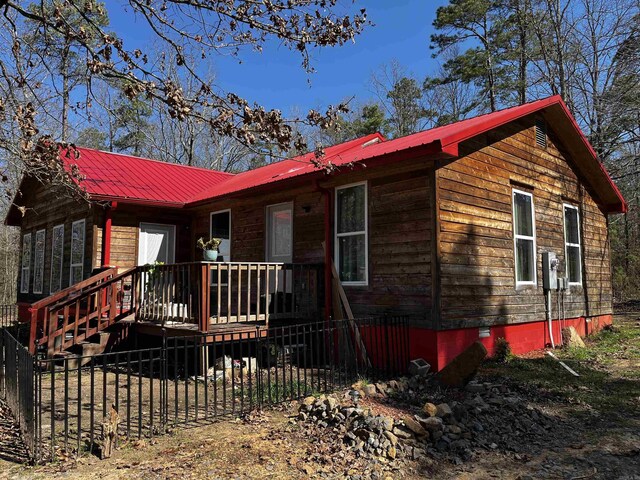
(541, 133)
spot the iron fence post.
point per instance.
(259, 366)
(163, 382)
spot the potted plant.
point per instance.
(209, 248)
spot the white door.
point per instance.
(280, 240)
(157, 243)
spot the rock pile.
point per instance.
(482, 416)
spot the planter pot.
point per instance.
(210, 255)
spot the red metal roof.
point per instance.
(338, 155)
(443, 140)
(111, 176)
(114, 176)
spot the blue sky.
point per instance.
(276, 79)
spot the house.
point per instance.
(448, 225)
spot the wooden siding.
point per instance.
(248, 225)
(125, 229)
(400, 234)
(400, 237)
(47, 208)
(476, 230)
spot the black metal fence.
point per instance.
(17, 384)
(8, 315)
(62, 403)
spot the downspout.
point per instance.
(326, 193)
(106, 235)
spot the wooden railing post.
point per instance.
(205, 293)
(53, 326)
(113, 301)
(33, 330)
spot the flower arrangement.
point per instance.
(211, 244)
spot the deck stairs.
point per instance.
(85, 319)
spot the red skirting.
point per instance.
(440, 347)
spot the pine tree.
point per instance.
(58, 48)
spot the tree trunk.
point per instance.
(65, 92)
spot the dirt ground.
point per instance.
(600, 437)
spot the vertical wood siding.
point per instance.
(125, 229)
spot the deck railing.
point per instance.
(213, 293)
(201, 293)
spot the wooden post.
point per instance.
(53, 326)
(204, 298)
(33, 329)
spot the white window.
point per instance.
(77, 252)
(57, 251)
(38, 262)
(26, 263)
(524, 238)
(220, 227)
(280, 233)
(351, 245)
(572, 245)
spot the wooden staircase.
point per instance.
(77, 320)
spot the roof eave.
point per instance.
(135, 201)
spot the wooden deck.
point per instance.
(216, 301)
(217, 332)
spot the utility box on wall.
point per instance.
(549, 271)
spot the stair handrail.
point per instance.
(76, 287)
(45, 303)
(109, 287)
(94, 288)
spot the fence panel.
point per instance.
(8, 315)
(17, 385)
(190, 380)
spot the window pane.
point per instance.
(76, 274)
(57, 244)
(221, 228)
(26, 251)
(571, 225)
(220, 223)
(281, 233)
(351, 209)
(525, 260)
(573, 264)
(522, 209)
(26, 264)
(38, 267)
(352, 258)
(24, 281)
(77, 242)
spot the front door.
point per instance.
(157, 243)
(280, 241)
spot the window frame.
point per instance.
(53, 237)
(568, 244)
(337, 236)
(84, 244)
(211, 214)
(42, 231)
(26, 268)
(516, 237)
(269, 230)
